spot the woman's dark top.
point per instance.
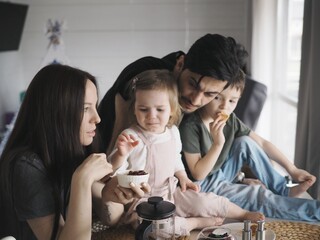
(32, 196)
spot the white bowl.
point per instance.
(124, 179)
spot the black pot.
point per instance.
(153, 213)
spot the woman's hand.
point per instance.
(78, 221)
(94, 168)
(113, 192)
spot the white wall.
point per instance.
(103, 36)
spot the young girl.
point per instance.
(49, 171)
(215, 151)
(153, 144)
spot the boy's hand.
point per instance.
(216, 131)
(125, 143)
(300, 175)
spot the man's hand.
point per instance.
(252, 181)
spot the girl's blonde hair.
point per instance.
(162, 80)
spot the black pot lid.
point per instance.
(155, 209)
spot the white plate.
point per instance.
(236, 231)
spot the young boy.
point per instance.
(215, 149)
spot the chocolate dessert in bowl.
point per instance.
(132, 176)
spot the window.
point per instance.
(295, 24)
(286, 105)
(276, 54)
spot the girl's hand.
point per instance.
(125, 143)
(216, 131)
(113, 192)
(188, 184)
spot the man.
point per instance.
(209, 66)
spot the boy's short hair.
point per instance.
(239, 82)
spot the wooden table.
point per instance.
(127, 233)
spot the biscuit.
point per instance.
(223, 116)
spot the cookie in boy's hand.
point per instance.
(223, 116)
(132, 176)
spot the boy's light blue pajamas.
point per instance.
(273, 201)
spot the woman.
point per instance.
(49, 171)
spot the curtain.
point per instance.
(307, 150)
